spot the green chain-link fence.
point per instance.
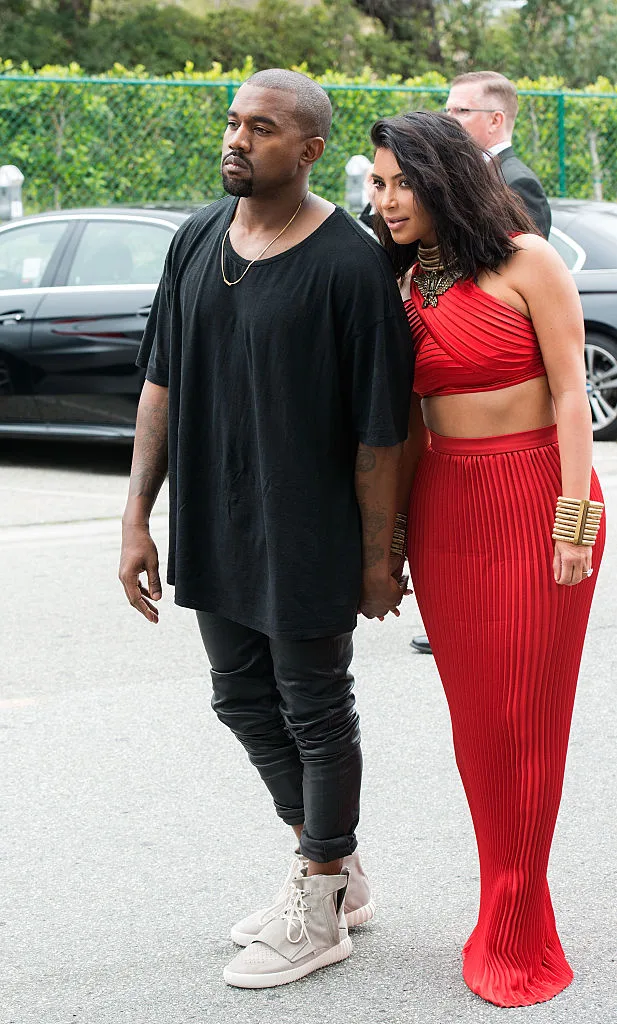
(83, 141)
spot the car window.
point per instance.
(25, 252)
(596, 231)
(120, 252)
(571, 253)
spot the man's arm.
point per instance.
(148, 472)
(376, 479)
(532, 194)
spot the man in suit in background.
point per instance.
(485, 104)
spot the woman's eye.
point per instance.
(404, 183)
(378, 184)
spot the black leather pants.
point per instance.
(291, 705)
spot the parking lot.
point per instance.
(134, 831)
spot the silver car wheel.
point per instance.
(601, 369)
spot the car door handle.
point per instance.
(144, 311)
(12, 316)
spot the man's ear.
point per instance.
(498, 119)
(313, 150)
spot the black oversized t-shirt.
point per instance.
(272, 384)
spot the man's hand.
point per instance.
(139, 555)
(379, 596)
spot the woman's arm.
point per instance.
(413, 450)
(548, 288)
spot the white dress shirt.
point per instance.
(498, 148)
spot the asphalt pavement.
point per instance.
(134, 832)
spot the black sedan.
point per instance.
(585, 234)
(75, 290)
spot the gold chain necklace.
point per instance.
(259, 255)
(433, 279)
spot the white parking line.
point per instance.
(59, 494)
(67, 532)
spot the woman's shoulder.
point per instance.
(535, 266)
(530, 242)
(535, 254)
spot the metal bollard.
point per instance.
(356, 195)
(11, 180)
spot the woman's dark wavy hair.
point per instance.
(473, 210)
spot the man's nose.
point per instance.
(240, 139)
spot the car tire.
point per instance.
(601, 369)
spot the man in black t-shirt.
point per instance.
(278, 378)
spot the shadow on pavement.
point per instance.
(87, 457)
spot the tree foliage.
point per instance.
(573, 39)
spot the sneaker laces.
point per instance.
(297, 866)
(294, 911)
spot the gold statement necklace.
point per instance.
(433, 279)
(260, 254)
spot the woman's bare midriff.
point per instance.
(526, 406)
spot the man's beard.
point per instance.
(242, 187)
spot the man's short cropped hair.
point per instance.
(496, 88)
(313, 111)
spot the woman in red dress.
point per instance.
(501, 531)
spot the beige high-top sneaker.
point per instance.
(249, 928)
(309, 933)
(359, 907)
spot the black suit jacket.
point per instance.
(521, 179)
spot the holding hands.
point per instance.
(381, 595)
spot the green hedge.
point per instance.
(127, 138)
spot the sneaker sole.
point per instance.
(361, 915)
(330, 956)
(353, 919)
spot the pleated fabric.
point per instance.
(470, 342)
(507, 642)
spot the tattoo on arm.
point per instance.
(372, 554)
(365, 460)
(376, 493)
(374, 521)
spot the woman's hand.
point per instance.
(380, 595)
(396, 565)
(571, 563)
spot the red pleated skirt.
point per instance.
(507, 642)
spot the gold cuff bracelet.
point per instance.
(399, 536)
(577, 521)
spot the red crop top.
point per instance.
(469, 342)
